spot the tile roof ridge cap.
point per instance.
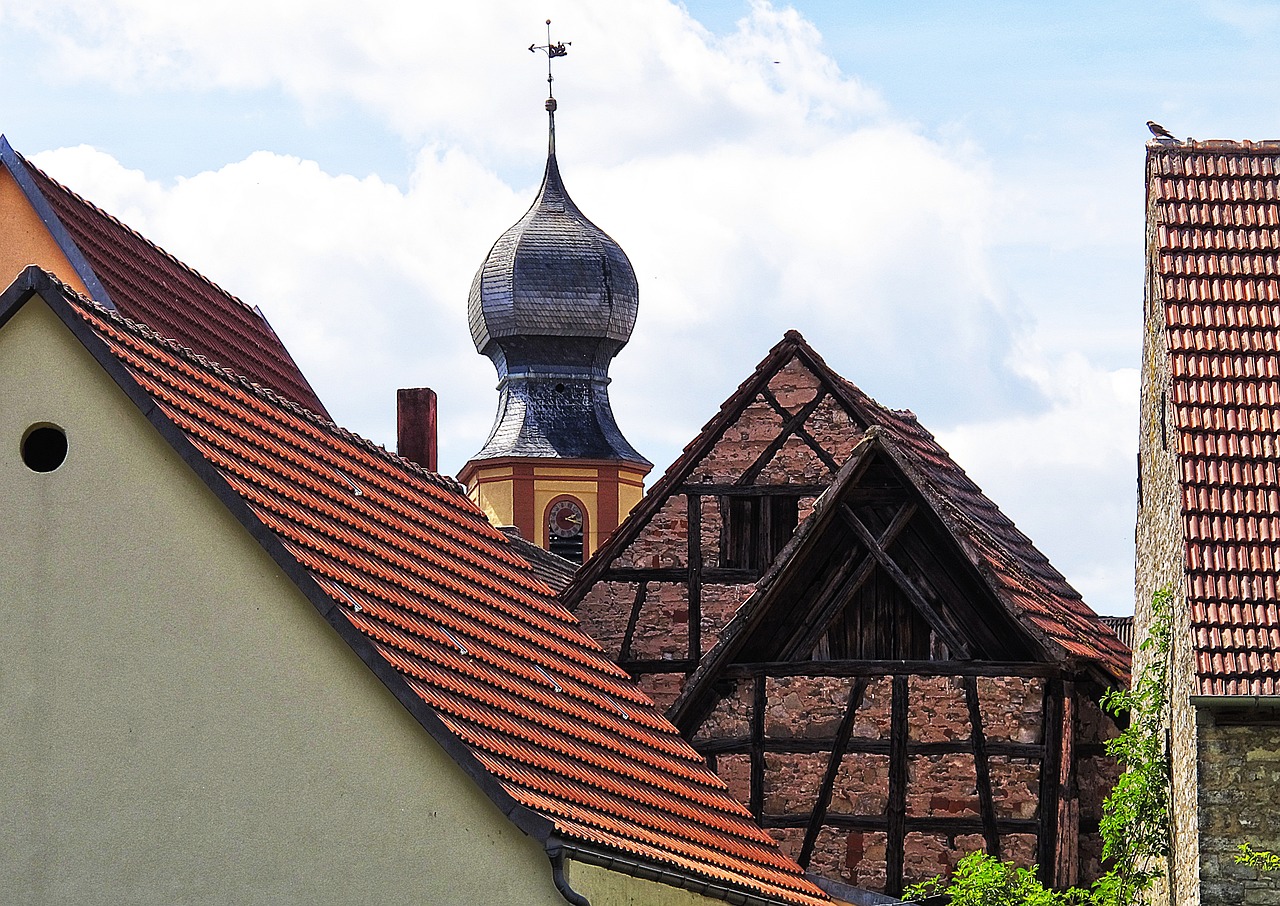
(271, 396)
(251, 309)
(71, 291)
(1209, 145)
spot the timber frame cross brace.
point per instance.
(844, 583)
(792, 426)
(877, 547)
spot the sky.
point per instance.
(945, 199)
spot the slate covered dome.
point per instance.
(552, 304)
(554, 289)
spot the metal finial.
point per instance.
(552, 50)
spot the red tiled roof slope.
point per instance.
(1038, 594)
(147, 284)
(444, 600)
(1214, 210)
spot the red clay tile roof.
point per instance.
(436, 594)
(148, 285)
(1214, 237)
(1035, 592)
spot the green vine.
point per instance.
(1261, 859)
(1135, 816)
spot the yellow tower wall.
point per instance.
(519, 492)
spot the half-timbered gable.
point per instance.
(657, 601)
(881, 666)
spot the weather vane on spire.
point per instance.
(552, 50)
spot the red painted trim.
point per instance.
(607, 500)
(522, 500)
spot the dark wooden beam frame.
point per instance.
(716, 576)
(893, 668)
(827, 459)
(791, 424)
(838, 748)
(758, 704)
(1050, 767)
(1068, 829)
(982, 767)
(741, 745)
(642, 591)
(757, 490)
(693, 524)
(896, 829)
(957, 647)
(837, 591)
(925, 825)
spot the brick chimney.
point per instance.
(416, 426)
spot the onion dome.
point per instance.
(552, 304)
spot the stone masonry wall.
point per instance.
(810, 709)
(1239, 800)
(1160, 552)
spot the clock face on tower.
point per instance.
(564, 519)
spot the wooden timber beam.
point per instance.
(678, 574)
(741, 745)
(836, 593)
(940, 825)
(791, 424)
(836, 589)
(982, 768)
(693, 522)
(907, 587)
(893, 668)
(758, 704)
(896, 810)
(827, 459)
(757, 490)
(624, 652)
(1068, 830)
(838, 748)
(1050, 768)
(874, 496)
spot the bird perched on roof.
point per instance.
(1161, 132)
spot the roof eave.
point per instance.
(33, 282)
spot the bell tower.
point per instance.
(552, 304)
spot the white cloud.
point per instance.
(458, 71)
(1065, 473)
(752, 195)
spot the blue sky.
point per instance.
(945, 198)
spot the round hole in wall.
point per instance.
(44, 447)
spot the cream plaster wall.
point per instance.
(181, 726)
(609, 888)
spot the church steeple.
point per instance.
(553, 302)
